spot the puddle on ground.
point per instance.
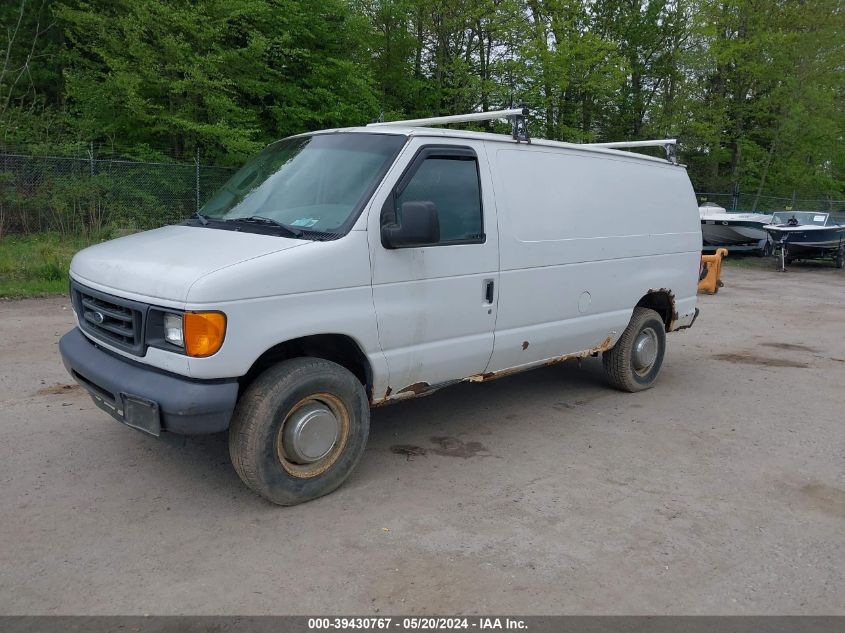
(55, 390)
(408, 450)
(453, 447)
(445, 446)
(826, 498)
(790, 346)
(559, 406)
(753, 359)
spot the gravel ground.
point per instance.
(720, 491)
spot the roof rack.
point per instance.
(670, 145)
(519, 130)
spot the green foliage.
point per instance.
(753, 88)
(224, 76)
(35, 265)
(767, 102)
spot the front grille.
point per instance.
(113, 320)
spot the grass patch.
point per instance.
(750, 261)
(755, 262)
(37, 265)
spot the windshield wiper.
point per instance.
(260, 219)
(202, 218)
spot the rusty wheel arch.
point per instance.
(662, 301)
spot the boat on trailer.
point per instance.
(721, 228)
(807, 235)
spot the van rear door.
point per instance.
(436, 305)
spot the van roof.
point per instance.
(498, 138)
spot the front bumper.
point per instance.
(146, 398)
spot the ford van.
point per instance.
(346, 269)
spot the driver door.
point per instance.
(436, 305)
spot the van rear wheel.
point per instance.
(299, 430)
(634, 362)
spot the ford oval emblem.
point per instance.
(95, 317)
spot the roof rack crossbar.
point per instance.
(670, 145)
(457, 118)
(624, 144)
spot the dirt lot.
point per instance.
(722, 490)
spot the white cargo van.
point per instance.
(351, 268)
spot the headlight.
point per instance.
(195, 334)
(173, 329)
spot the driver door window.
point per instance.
(452, 184)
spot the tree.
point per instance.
(753, 88)
(29, 83)
(225, 76)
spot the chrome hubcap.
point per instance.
(645, 350)
(310, 433)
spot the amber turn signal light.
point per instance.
(203, 332)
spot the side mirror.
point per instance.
(419, 226)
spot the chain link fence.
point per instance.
(89, 196)
(93, 195)
(748, 202)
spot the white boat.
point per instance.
(721, 228)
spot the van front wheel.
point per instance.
(634, 362)
(299, 430)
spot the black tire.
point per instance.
(619, 363)
(256, 440)
(839, 262)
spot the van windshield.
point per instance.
(310, 184)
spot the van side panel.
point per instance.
(582, 238)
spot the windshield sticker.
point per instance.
(304, 222)
(818, 218)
